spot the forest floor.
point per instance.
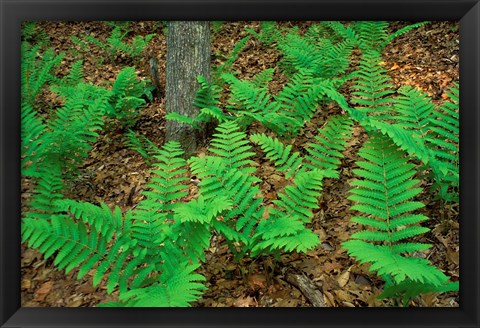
(427, 58)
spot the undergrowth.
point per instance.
(150, 253)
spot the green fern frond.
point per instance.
(179, 289)
(232, 145)
(75, 76)
(325, 153)
(169, 182)
(142, 145)
(36, 70)
(409, 289)
(33, 133)
(371, 35)
(263, 78)
(402, 31)
(284, 159)
(201, 210)
(437, 129)
(78, 245)
(218, 71)
(229, 175)
(386, 263)
(49, 188)
(284, 228)
(384, 197)
(165, 189)
(299, 199)
(414, 110)
(127, 96)
(372, 85)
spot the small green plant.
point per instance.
(438, 128)
(384, 197)
(37, 70)
(216, 26)
(229, 174)
(150, 254)
(114, 44)
(127, 96)
(250, 101)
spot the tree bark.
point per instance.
(188, 56)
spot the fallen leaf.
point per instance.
(43, 291)
(344, 277)
(257, 281)
(245, 302)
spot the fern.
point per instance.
(115, 45)
(284, 159)
(445, 138)
(325, 153)
(206, 100)
(372, 85)
(230, 175)
(433, 130)
(218, 71)
(178, 287)
(78, 245)
(284, 228)
(286, 113)
(36, 70)
(384, 196)
(269, 33)
(142, 145)
(149, 254)
(75, 75)
(263, 78)
(127, 97)
(325, 57)
(228, 178)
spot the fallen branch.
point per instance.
(307, 287)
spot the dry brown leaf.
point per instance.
(43, 291)
(247, 301)
(453, 257)
(344, 277)
(256, 281)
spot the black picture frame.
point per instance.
(13, 12)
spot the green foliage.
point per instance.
(282, 156)
(114, 44)
(384, 197)
(373, 35)
(323, 154)
(325, 57)
(326, 151)
(438, 130)
(286, 113)
(229, 174)
(268, 34)
(263, 78)
(226, 66)
(206, 100)
(37, 69)
(445, 131)
(372, 85)
(284, 227)
(127, 97)
(216, 26)
(142, 145)
(144, 252)
(228, 177)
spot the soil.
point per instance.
(427, 58)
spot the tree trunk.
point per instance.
(188, 56)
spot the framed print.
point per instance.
(314, 160)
